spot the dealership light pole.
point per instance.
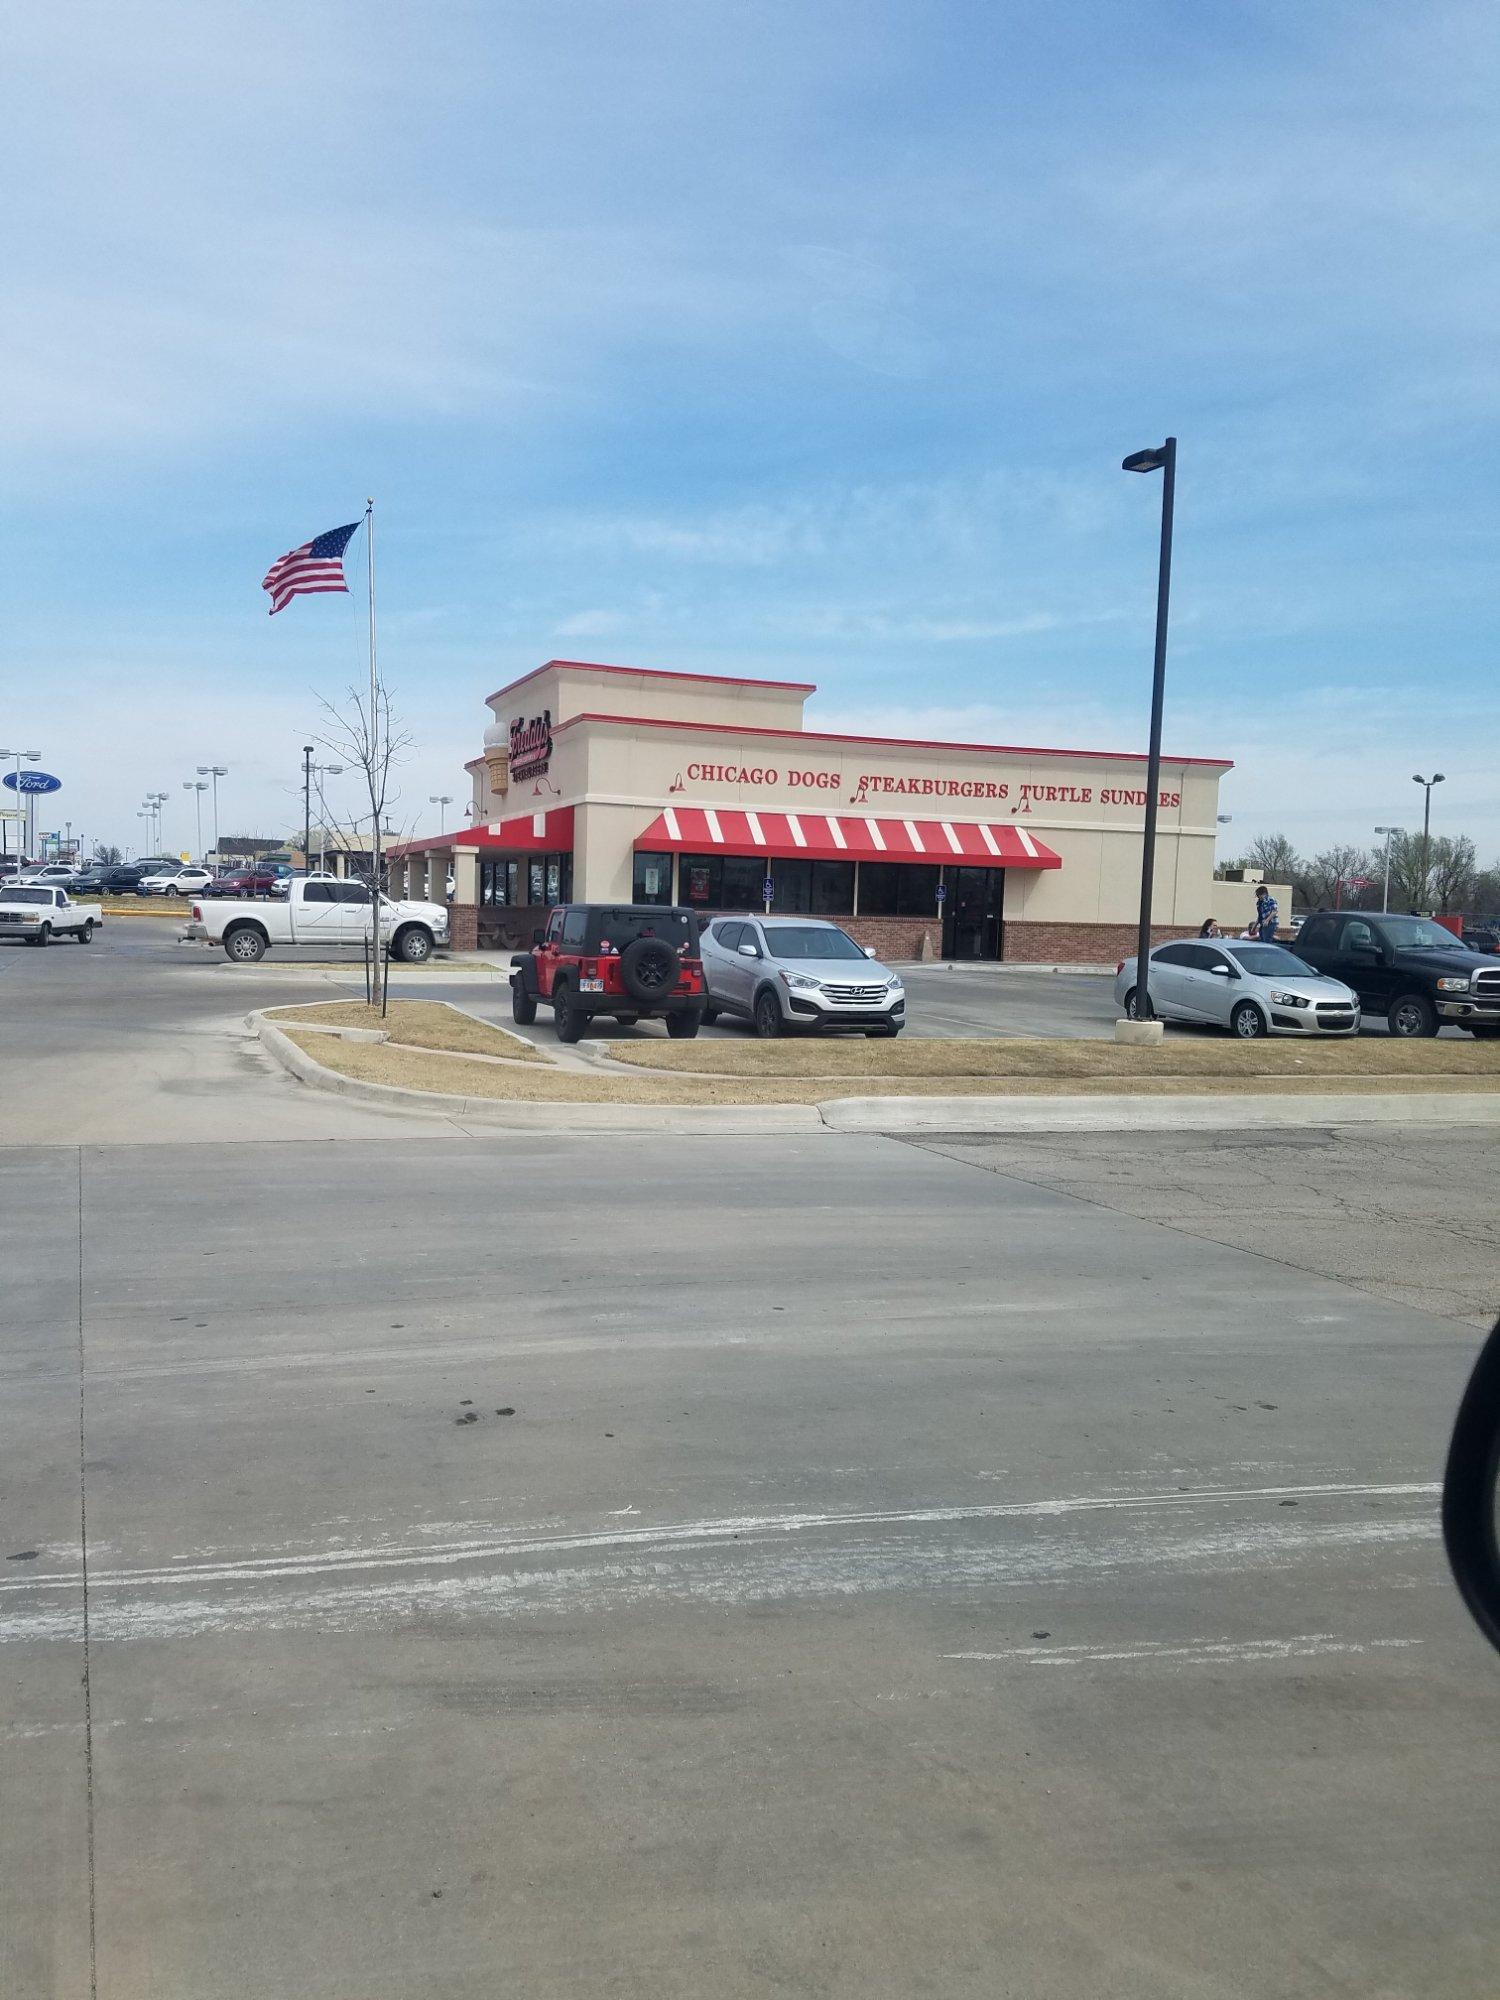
(1427, 785)
(156, 800)
(1163, 459)
(23, 804)
(214, 772)
(1390, 833)
(324, 771)
(442, 800)
(198, 786)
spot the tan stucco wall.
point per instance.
(1097, 837)
(619, 775)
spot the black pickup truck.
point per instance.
(1411, 970)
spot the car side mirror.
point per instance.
(749, 951)
(1223, 972)
(1469, 1493)
(869, 951)
(1367, 954)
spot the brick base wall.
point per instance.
(894, 937)
(1082, 944)
(463, 926)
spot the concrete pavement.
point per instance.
(895, 1577)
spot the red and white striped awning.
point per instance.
(844, 837)
(531, 833)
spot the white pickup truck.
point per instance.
(38, 913)
(319, 912)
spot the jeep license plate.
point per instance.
(591, 985)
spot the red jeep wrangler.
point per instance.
(630, 960)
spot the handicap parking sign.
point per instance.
(768, 890)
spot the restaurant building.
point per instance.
(601, 783)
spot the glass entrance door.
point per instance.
(973, 912)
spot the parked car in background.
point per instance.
(37, 912)
(58, 873)
(785, 973)
(241, 882)
(1413, 971)
(1482, 937)
(121, 878)
(321, 913)
(1251, 989)
(179, 881)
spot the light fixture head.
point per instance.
(1145, 461)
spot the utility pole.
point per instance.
(1427, 785)
(215, 772)
(307, 757)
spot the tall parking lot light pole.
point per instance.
(1390, 833)
(214, 772)
(1427, 785)
(442, 800)
(1163, 459)
(198, 786)
(156, 800)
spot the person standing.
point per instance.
(1267, 915)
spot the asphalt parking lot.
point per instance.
(827, 1566)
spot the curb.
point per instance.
(901, 1115)
(549, 1116)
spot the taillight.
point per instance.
(591, 968)
(1121, 966)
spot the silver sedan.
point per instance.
(1250, 988)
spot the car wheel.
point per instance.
(683, 1027)
(1412, 1016)
(86, 935)
(44, 935)
(522, 1003)
(1132, 1006)
(414, 946)
(245, 946)
(1247, 1021)
(768, 1021)
(567, 1016)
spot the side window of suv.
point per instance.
(574, 924)
(1319, 931)
(729, 935)
(554, 928)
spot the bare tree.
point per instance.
(106, 854)
(1332, 875)
(1452, 869)
(364, 736)
(1273, 855)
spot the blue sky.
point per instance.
(797, 340)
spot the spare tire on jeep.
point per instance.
(648, 970)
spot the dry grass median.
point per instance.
(419, 1024)
(1178, 1056)
(452, 1076)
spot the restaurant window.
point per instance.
(897, 889)
(722, 881)
(793, 881)
(832, 888)
(652, 881)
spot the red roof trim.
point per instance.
(891, 742)
(654, 674)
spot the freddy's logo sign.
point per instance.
(531, 745)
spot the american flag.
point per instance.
(317, 565)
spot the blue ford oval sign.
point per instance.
(33, 781)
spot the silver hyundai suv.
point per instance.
(797, 972)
